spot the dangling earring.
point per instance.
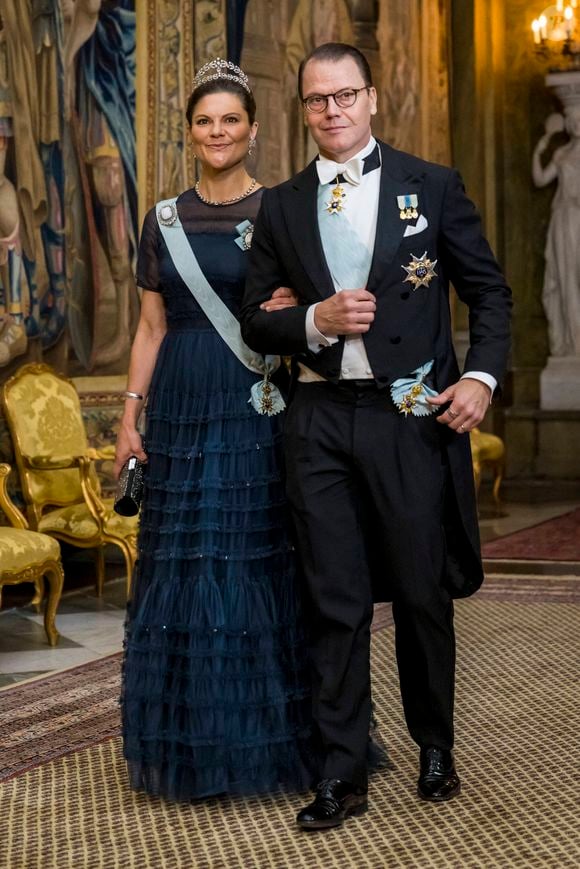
(251, 146)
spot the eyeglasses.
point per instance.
(319, 102)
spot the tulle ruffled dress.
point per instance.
(215, 679)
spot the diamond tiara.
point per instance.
(218, 68)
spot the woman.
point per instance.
(214, 696)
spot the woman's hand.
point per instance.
(281, 298)
(129, 443)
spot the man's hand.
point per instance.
(349, 312)
(469, 403)
(281, 298)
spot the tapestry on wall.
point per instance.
(92, 134)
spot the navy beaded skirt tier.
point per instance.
(215, 683)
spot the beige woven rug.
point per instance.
(518, 720)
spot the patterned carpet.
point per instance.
(518, 719)
(556, 540)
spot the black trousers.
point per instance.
(366, 487)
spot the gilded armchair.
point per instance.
(27, 556)
(57, 471)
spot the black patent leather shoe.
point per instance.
(335, 801)
(438, 780)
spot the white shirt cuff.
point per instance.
(484, 377)
(315, 339)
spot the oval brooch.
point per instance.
(167, 215)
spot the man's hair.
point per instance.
(336, 51)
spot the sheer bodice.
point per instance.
(212, 233)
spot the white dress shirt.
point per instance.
(361, 207)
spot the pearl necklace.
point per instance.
(225, 201)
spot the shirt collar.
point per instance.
(360, 155)
(327, 168)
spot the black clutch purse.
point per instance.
(129, 488)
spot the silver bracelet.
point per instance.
(137, 395)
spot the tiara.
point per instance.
(219, 68)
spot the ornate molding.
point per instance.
(566, 86)
(30, 573)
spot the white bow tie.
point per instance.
(352, 170)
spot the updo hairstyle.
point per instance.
(218, 86)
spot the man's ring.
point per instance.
(452, 413)
(461, 428)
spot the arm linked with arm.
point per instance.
(276, 332)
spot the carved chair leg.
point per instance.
(36, 601)
(130, 555)
(498, 471)
(100, 567)
(55, 577)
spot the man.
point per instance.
(378, 458)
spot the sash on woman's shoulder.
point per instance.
(265, 397)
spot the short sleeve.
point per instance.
(148, 254)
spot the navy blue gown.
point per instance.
(215, 689)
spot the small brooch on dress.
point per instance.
(246, 233)
(167, 215)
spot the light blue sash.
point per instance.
(348, 258)
(265, 397)
(349, 261)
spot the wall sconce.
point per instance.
(556, 33)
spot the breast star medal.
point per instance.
(420, 271)
(336, 205)
(408, 206)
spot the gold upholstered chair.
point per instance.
(487, 450)
(27, 556)
(56, 465)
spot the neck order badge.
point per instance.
(335, 205)
(351, 171)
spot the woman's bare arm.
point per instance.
(150, 333)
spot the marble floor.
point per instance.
(92, 627)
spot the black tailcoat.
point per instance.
(410, 326)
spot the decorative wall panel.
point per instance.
(413, 87)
